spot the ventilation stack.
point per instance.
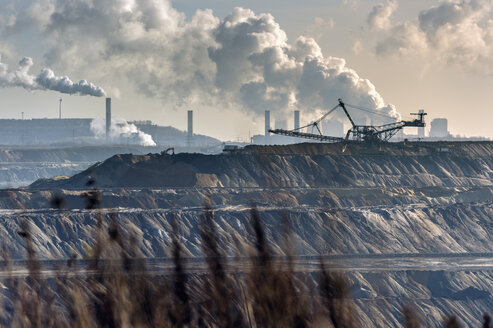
(421, 129)
(296, 119)
(190, 128)
(267, 123)
(60, 109)
(108, 118)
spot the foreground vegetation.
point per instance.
(118, 291)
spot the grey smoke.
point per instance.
(256, 64)
(45, 80)
(243, 61)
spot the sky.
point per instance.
(229, 61)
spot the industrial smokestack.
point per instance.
(421, 129)
(296, 119)
(267, 123)
(190, 127)
(108, 118)
(60, 109)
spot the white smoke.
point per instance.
(379, 17)
(243, 61)
(121, 132)
(46, 80)
(256, 64)
(452, 32)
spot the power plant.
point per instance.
(67, 131)
(88, 131)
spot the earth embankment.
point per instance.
(298, 166)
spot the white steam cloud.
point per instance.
(256, 64)
(243, 61)
(121, 132)
(379, 17)
(453, 32)
(46, 80)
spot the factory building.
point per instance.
(69, 131)
(44, 131)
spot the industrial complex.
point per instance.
(86, 131)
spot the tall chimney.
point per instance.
(421, 129)
(108, 118)
(190, 127)
(296, 119)
(267, 123)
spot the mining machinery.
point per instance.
(361, 133)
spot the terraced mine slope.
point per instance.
(411, 223)
(22, 166)
(299, 166)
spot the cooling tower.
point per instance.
(439, 128)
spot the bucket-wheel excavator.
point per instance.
(362, 133)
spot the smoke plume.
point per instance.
(46, 80)
(121, 132)
(452, 32)
(243, 61)
(256, 64)
(379, 17)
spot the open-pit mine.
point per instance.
(408, 223)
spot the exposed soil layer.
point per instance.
(298, 166)
(418, 198)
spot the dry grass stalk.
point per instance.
(120, 293)
(411, 318)
(452, 322)
(336, 296)
(486, 321)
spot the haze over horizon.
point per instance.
(231, 60)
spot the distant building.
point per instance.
(439, 128)
(44, 131)
(68, 131)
